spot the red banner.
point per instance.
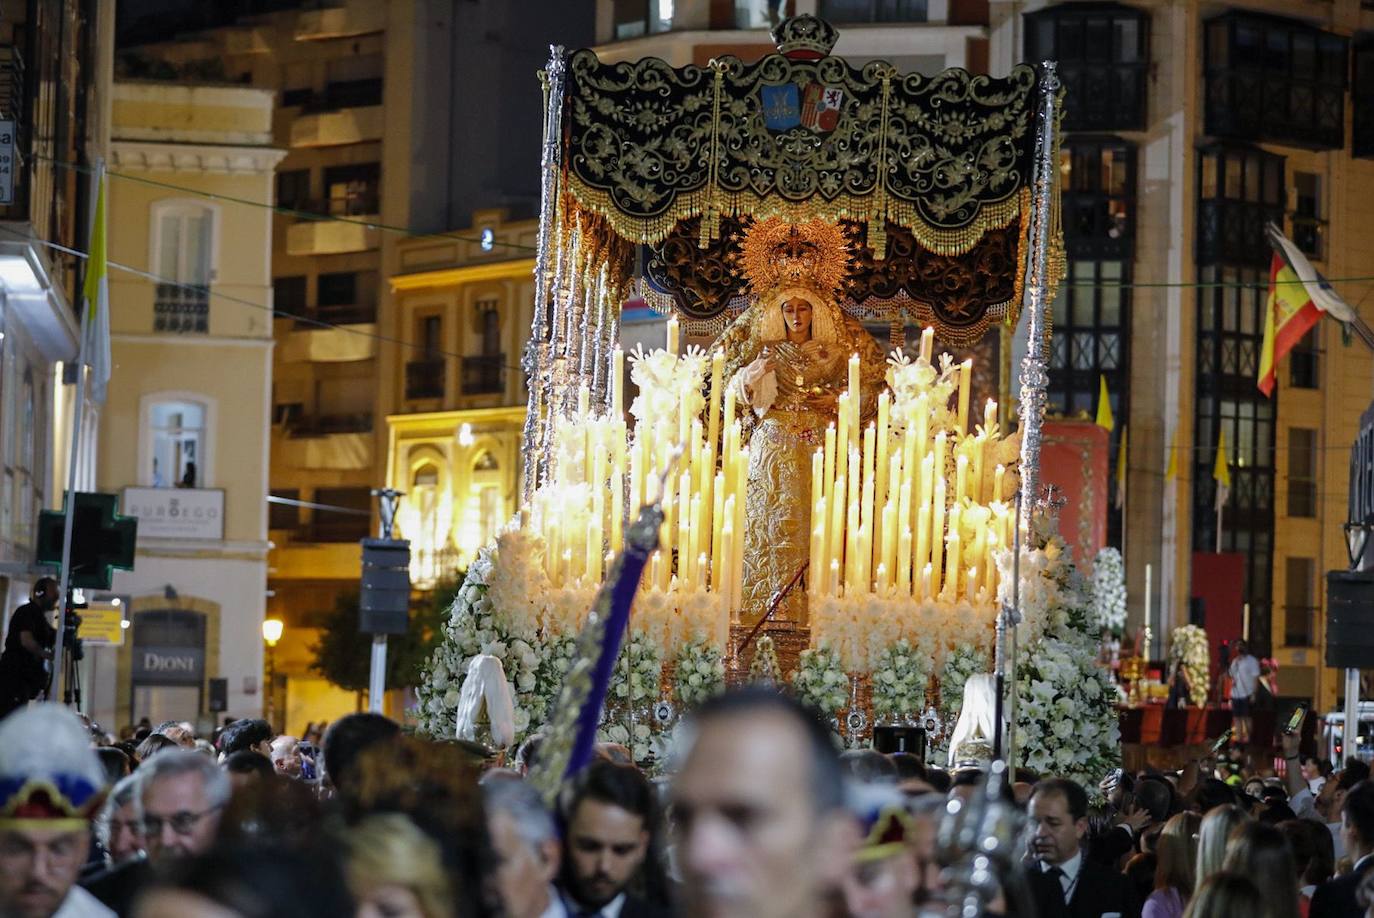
(1218, 580)
(1073, 458)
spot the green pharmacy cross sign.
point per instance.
(101, 539)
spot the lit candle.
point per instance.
(617, 382)
(927, 342)
(960, 478)
(851, 549)
(584, 402)
(828, 460)
(866, 509)
(835, 538)
(989, 416)
(952, 544)
(940, 456)
(866, 523)
(976, 472)
(672, 335)
(617, 511)
(997, 475)
(855, 392)
(965, 382)
(655, 565)
(926, 574)
(842, 440)
(888, 555)
(937, 530)
(694, 542)
(729, 418)
(882, 579)
(971, 591)
(904, 523)
(717, 524)
(834, 577)
(594, 542)
(881, 454)
(904, 562)
(728, 552)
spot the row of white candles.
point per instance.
(580, 513)
(884, 518)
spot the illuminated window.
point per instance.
(177, 436)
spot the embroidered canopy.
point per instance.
(930, 175)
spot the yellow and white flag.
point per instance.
(1221, 471)
(95, 318)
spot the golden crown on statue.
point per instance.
(776, 253)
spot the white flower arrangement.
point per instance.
(476, 625)
(1188, 646)
(638, 669)
(1066, 718)
(699, 673)
(820, 680)
(1109, 591)
(901, 674)
(861, 628)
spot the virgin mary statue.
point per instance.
(786, 359)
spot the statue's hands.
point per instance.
(760, 366)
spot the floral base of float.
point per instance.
(868, 663)
(911, 552)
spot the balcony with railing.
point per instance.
(484, 375)
(320, 425)
(323, 125)
(425, 378)
(181, 308)
(324, 236)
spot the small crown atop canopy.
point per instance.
(805, 37)
(776, 253)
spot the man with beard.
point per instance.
(50, 787)
(611, 818)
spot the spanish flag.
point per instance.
(1289, 314)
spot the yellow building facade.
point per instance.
(184, 438)
(457, 407)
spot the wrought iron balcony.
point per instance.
(181, 308)
(484, 375)
(425, 378)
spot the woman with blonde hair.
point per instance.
(1176, 851)
(395, 869)
(1225, 895)
(1259, 851)
(1211, 845)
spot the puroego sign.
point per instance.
(177, 513)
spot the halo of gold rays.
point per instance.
(777, 253)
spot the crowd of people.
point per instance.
(760, 814)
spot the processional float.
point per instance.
(724, 196)
(657, 183)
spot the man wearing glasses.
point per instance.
(184, 794)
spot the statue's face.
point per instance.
(796, 313)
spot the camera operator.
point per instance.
(28, 647)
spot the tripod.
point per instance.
(72, 652)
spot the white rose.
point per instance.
(451, 698)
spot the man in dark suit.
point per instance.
(607, 871)
(1336, 898)
(1064, 883)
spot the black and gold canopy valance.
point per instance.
(931, 176)
(946, 156)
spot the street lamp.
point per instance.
(271, 634)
